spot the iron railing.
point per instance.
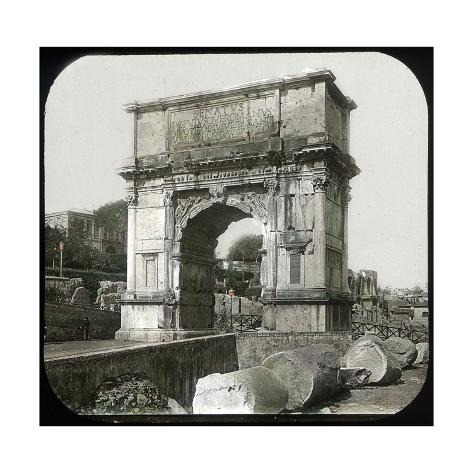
(384, 331)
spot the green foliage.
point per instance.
(77, 251)
(52, 238)
(385, 291)
(253, 291)
(417, 290)
(112, 216)
(246, 248)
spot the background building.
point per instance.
(111, 242)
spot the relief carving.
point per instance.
(249, 202)
(218, 193)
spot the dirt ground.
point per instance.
(378, 399)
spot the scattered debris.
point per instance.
(81, 296)
(354, 377)
(130, 394)
(423, 353)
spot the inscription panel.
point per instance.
(238, 120)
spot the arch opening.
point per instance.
(197, 268)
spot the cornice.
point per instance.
(256, 87)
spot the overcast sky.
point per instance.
(87, 134)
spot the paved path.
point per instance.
(54, 350)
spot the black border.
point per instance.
(420, 60)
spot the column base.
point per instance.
(307, 316)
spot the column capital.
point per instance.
(132, 200)
(271, 185)
(346, 195)
(168, 195)
(320, 182)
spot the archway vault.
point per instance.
(193, 258)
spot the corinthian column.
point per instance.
(168, 238)
(346, 197)
(320, 183)
(272, 250)
(132, 201)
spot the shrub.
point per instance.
(253, 291)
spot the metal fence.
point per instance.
(385, 331)
(225, 319)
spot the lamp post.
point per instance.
(61, 247)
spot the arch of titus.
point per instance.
(275, 150)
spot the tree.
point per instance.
(385, 291)
(246, 248)
(78, 253)
(417, 290)
(52, 237)
(112, 216)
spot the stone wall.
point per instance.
(64, 322)
(174, 367)
(254, 347)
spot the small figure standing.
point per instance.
(86, 328)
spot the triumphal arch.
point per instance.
(275, 150)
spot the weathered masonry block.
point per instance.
(275, 150)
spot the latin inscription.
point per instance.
(223, 122)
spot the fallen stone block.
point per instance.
(422, 353)
(310, 374)
(255, 390)
(403, 350)
(81, 296)
(354, 377)
(370, 352)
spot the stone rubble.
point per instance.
(130, 394)
(110, 287)
(422, 353)
(354, 377)
(109, 301)
(81, 296)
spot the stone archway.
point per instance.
(203, 160)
